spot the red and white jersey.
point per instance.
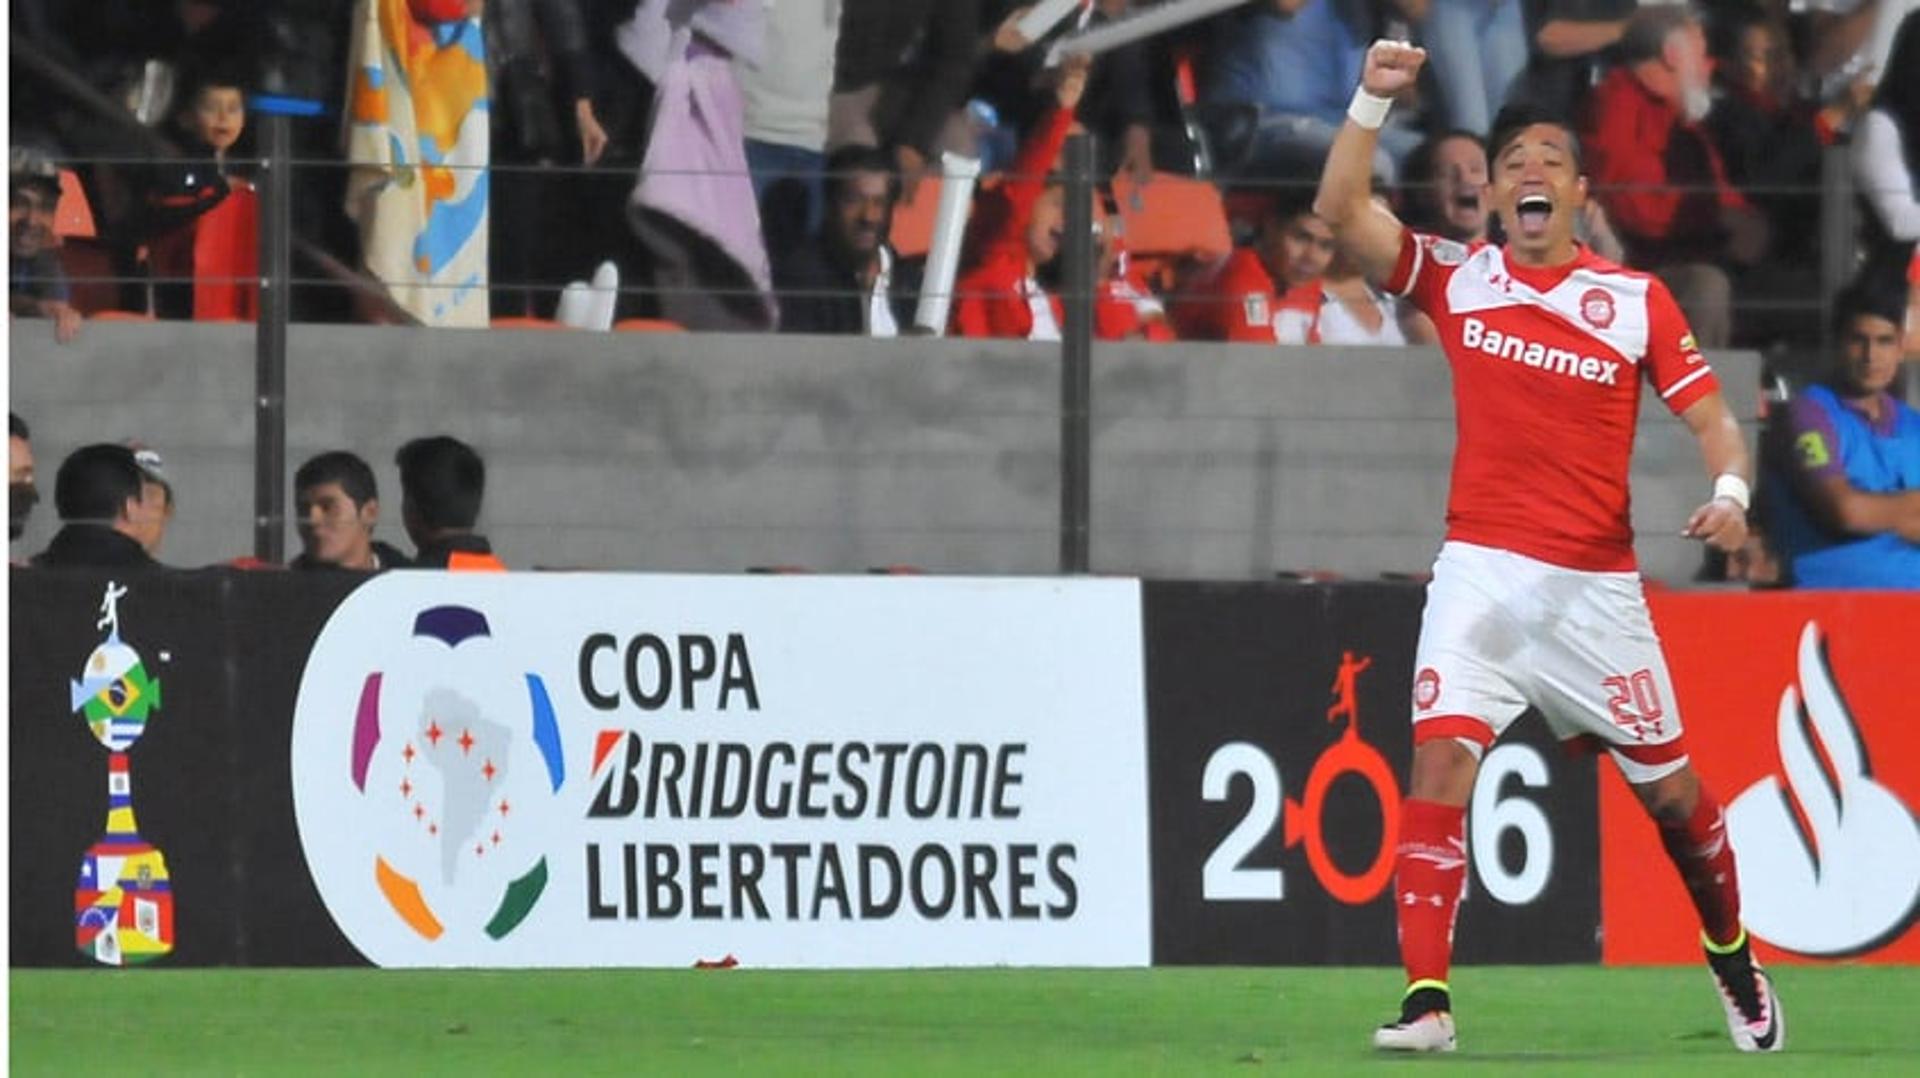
(1547, 365)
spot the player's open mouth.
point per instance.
(1533, 212)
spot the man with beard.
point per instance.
(36, 283)
(22, 495)
(846, 279)
(1657, 172)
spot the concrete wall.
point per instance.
(684, 452)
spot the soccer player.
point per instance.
(1535, 598)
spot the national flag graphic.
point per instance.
(123, 896)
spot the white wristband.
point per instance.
(1734, 489)
(1368, 110)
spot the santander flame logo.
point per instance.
(1830, 860)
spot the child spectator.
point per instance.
(203, 218)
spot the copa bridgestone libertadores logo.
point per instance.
(426, 798)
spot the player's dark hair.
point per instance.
(1519, 116)
(17, 427)
(95, 483)
(847, 160)
(443, 479)
(339, 466)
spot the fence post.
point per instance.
(1076, 355)
(270, 341)
(1837, 225)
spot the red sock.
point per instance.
(1430, 868)
(1700, 850)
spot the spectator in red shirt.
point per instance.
(1658, 174)
(202, 217)
(1269, 293)
(1015, 237)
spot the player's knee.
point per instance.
(1671, 800)
(1443, 771)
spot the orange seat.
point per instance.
(648, 325)
(1172, 216)
(522, 322)
(911, 234)
(73, 215)
(119, 316)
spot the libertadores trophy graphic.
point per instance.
(123, 902)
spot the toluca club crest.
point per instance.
(1596, 306)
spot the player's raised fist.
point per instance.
(1391, 67)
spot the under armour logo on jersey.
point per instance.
(1501, 281)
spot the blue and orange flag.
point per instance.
(417, 135)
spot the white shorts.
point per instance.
(1502, 631)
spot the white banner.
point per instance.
(617, 770)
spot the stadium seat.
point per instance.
(73, 216)
(1172, 217)
(523, 322)
(911, 233)
(118, 316)
(648, 325)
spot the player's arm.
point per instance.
(1722, 521)
(1367, 234)
(1821, 483)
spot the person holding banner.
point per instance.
(1536, 600)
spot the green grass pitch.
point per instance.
(1841, 1019)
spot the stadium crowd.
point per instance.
(556, 136)
(776, 164)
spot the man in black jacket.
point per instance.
(845, 279)
(442, 482)
(336, 506)
(99, 495)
